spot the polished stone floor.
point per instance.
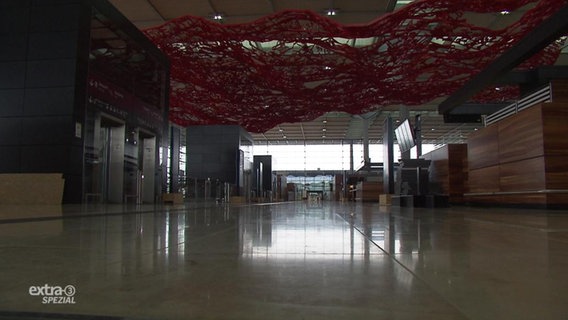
(297, 260)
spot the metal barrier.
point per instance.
(542, 95)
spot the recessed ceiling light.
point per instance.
(331, 12)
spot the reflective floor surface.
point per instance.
(297, 260)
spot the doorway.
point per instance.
(104, 165)
(147, 165)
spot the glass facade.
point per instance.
(325, 156)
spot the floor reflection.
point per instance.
(307, 231)
(316, 259)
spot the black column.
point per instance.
(388, 155)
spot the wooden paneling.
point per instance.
(559, 90)
(523, 175)
(555, 128)
(489, 199)
(369, 191)
(559, 200)
(557, 172)
(458, 175)
(448, 171)
(484, 180)
(438, 170)
(520, 136)
(532, 157)
(528, 199)
(483, 148)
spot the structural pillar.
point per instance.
(388, 151)
(366, 157)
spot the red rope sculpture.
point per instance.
(296, 65)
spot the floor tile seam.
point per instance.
(94, 214)
(103, 214)
(320, 254)
(417, 276)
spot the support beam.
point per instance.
(536, 40)
(391, 5)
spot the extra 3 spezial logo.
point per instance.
(54, 294)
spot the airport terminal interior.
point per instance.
(283, 159)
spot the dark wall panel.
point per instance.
(47, 130)
(48, 101)
(10, 132)
(14, 19)
(11, 102)
(14, 46)
(10, 159)
(44, 159)
(212, 152)
(48, 16)
(12, 75)
(52, 45)
(51, 73)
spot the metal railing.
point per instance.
(542, 95)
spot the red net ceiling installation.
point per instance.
(297, 65)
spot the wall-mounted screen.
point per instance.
(405, 136)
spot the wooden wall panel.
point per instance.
(458, 172)
(484, 180)
(557, 172)
(520, 136)
(559, 90)
(448, 171)
(557, 200)
(533, 156)
(524, 175)
(439, 170)
(369, 191)
(483, 147)
(555, 125)
(529, 198)
(493, 199)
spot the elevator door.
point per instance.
(147, 165)
(103, 164)
(111, 135)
